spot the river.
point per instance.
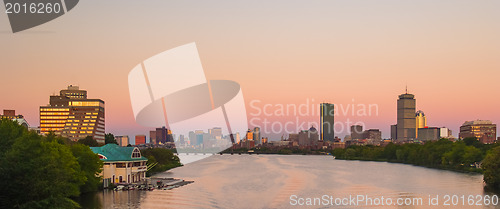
(297, 181)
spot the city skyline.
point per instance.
(446, 52)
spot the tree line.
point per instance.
(463, 155)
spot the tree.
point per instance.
(109, 138)
(491, 167)
(90, 165)
(37, 173)
(89, 141)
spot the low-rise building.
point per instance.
(121, 164)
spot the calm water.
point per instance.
(271, 181)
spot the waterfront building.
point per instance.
(327, 122)
(11, 115)
(122, 140)
(308, 137)
(121, 164)
(356, 132)
(140, 139)
(420, 120)
(73, 116)
(406, 124)
(484, 130)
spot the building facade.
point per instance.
(406, 126)
(356, 132)
(121, 164)
(11, 115)
(73, 116)
(256, 136)
(484, 130)
(327, 122)
(420, 120)
(140, 139)
(122, 140)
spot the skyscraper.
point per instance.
(406, 126)
(327, 122)
(421, 121)
(256, 135)
(356, 132)
(73, 116)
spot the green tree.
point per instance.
(38, 173)
(90, 165)
(491, 167)
(109, 138)
(89, 141)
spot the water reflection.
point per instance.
(269, 181)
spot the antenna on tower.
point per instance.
(406, 88)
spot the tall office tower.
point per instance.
(356, 132)
(73, 116)
(256, 135)
(327, 122)
(421, 121)
(406, 127)
(249, 135)
(394, 131)
(484, 130)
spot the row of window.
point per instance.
(54, 113)
(54, 109)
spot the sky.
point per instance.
(280, 52)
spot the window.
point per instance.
(136, 153)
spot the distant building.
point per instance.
(394, 132)
(433, 133)
(152, 137)
(256, 135)
(484, 130)
(11, 114)
(140, 139)
(420, 120)
(216, 133)
(373, 134)
(327, 122)
(249, 135)
(122, 140)
(121, 164)
(308, 137)
(356, 132)
(73, 116)
(406, 126)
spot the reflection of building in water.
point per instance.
(121, 164)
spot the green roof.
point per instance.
(113, 152)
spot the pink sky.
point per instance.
(280, 52)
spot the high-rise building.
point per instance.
(420, 120)
(394, 131)
(249, 135)
(161, 136)
(73, 116)
(256, 135)
(356, 132)
(406, 126)
(140, 139)
(327, 122)
(484, 130)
